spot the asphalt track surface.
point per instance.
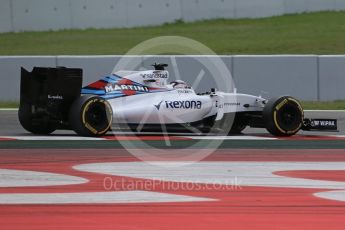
(146, 182)
(9, 124)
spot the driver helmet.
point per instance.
(179, 84)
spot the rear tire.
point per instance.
(283, 116)
(39, 125)
(90, 116)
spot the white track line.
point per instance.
(77, 138)
(230, 138)
(8, 109)
(258, 174)
(120, 197)
(320, 111)
(53, 138)
(22, 178)
(338, 195)
(336, 136)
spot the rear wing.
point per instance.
(50, 91)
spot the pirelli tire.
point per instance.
(90, 116)
(40, 125)
(283, 116)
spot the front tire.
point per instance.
(90, 116)
(283, 116)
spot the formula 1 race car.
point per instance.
(143, 101)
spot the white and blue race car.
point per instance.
(144, 101)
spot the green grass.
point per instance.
(313, 33)
(9, 104)
(333, 105)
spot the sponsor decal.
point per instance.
(185, 91)
(316, 123)
(55, 97)
(232, 104)
(115, 87)
(155, 74)
(183, 104)
(158, 106)
(281, 104)
(180, 105)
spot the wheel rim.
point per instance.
(98, 117)
(289, 117)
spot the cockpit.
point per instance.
(177, 84)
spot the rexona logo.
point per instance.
(180, 105)
(116, 87)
